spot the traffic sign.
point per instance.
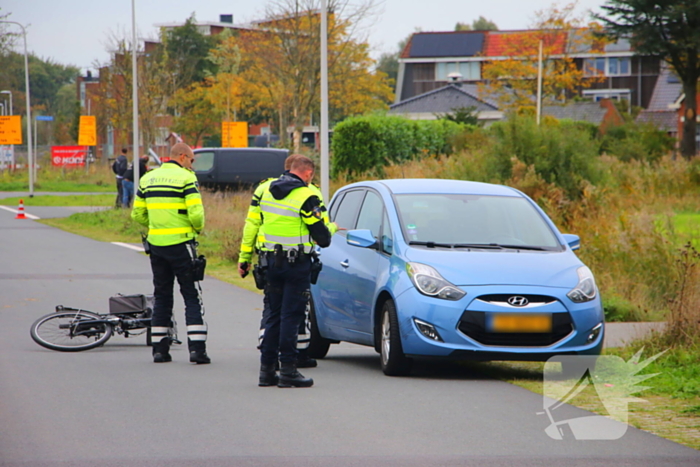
(234, 134)
(11, 129)
(87, 132)
(44, 118)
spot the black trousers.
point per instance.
(286, 292)
(168, 263)
(303, 337)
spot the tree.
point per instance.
(670, 29)
(480, 24)
(186, 51)
(197, 113)
(155, 86)
(227, 58)
(513, 80)
(468, 115)
(280, 64)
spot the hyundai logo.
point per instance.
(518, 300)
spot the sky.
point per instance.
(76, 32)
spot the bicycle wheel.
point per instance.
(71, 331)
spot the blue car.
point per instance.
(451, 269)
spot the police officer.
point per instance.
(252, 236)
(291, 219)
(169, 203)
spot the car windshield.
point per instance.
(473, 221)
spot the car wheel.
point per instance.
(318, 345)
(393, 360)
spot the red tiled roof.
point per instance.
(504, 43)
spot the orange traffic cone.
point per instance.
(20, 210)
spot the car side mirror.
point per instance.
(573, 241)
(362, 238)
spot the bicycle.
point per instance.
(74, 329)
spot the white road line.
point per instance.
(29, 216)
(126, 245)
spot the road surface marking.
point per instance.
(30, 216)
(126, 245)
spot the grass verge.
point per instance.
(67, 200)
(115, 225)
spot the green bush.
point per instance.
(368, 143)
(564, 155)
(636, 141)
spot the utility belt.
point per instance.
(277, 258)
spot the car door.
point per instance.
(331, 292)
(362, 265)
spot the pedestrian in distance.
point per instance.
(292, 220)
(169, 203)
(128, 180)
(119, 166)
(252, 234)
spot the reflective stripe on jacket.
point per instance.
(169, 203)
(284, 221)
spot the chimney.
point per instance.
(455, 78)
(226, 19)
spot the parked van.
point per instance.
(220, 168)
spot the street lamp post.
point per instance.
(135, 97)
(30, 155)
(324, 102)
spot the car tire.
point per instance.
(318, 345)
(394, 362)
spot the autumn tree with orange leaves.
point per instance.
(512, 81)
(279, 69)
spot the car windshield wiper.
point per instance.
(432, 244)
(487, 246)
(523, 247)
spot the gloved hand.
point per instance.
(243, 269)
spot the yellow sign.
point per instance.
(87, 132)
(11, 129)
(234, 134)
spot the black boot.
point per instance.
(198, 352)
(268, 375)
(304, 361)
(291, 378)
(161, 351)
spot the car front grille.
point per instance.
(473, 324)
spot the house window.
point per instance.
(606, 66)
(468, 70)
(613, 94)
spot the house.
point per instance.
(615, 70)
(444, 100)
(663, 109)
(602, 114)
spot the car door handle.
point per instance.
(345, 263)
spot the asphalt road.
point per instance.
(113, 407)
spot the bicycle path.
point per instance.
(112, 406)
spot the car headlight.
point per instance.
(429, 282)
(585, 290)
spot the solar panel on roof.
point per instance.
(446, 45)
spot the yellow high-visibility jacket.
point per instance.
(169, 204)
(253, 235)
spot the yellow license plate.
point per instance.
(521, 323)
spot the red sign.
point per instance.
(67, 155)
